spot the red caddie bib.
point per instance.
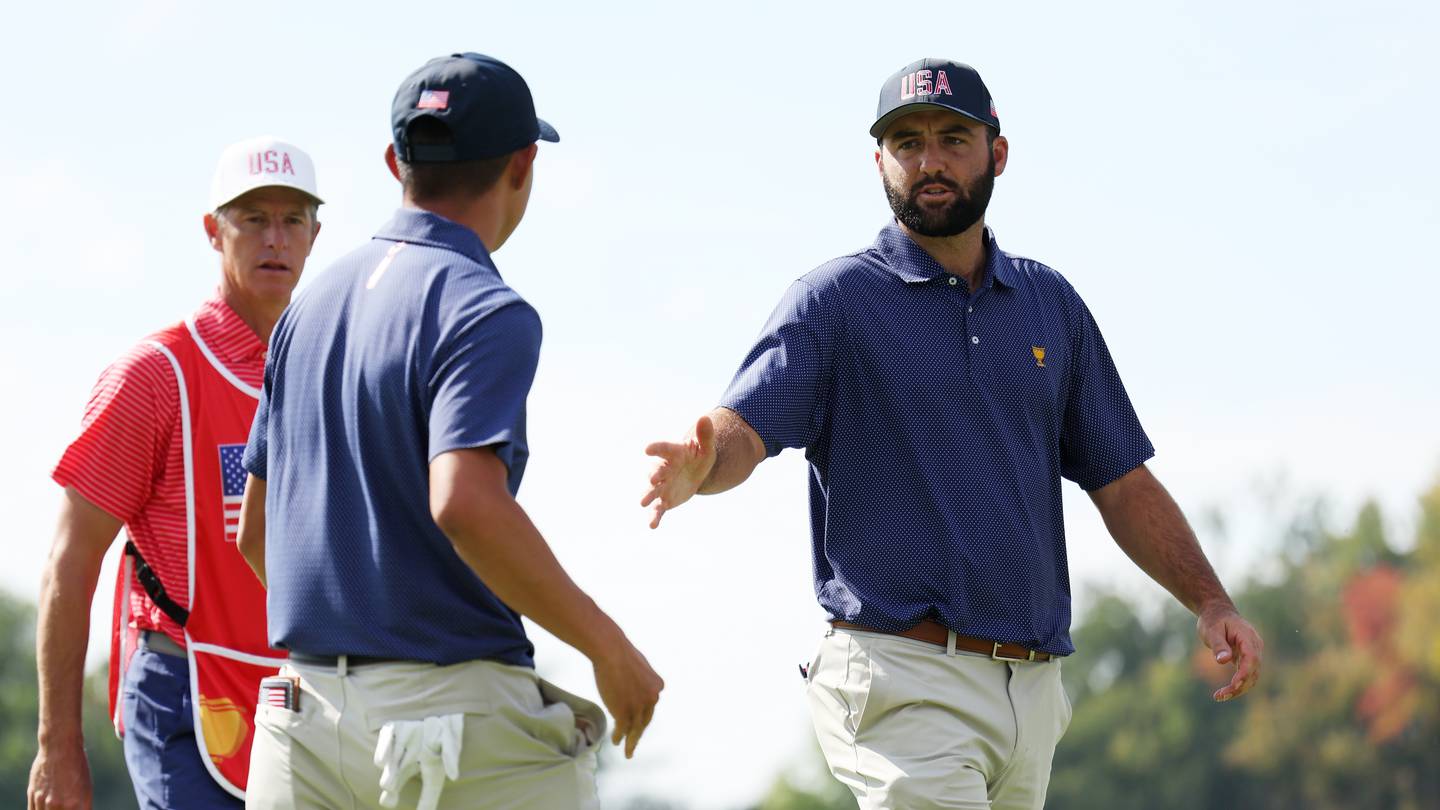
(225, 635)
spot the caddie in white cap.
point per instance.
(159, 453)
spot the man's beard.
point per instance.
(964, 211)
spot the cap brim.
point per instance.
(547, 132)
(217, 204)
(883, 122)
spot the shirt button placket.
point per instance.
(955, 286)
(969, 308)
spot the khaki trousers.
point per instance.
(525, 743)
(907, 726)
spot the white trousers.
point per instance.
(907, 726)
(524, 743)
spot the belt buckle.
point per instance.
(996, 656)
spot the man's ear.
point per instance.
(1000, 149)
(521, 163)
(314, 232)
(212, 231)
(390, 161)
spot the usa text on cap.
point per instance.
(934, 83)
(260, 162)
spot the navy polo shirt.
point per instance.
(938, 423)
(404, 349)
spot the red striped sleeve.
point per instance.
(129, 461)
(127, 435)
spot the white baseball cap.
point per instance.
(260, 162)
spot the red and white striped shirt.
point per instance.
(129, 457)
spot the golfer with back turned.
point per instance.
(380, 510)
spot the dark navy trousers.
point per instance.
(160, 748)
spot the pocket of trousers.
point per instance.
(814, 666)
(580, 721)
(154, 700)
(278, 718)
(845, 672)
(1065, 703)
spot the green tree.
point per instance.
(1347, 714)
(19, 715)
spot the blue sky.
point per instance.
(1243, 193)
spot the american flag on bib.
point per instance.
(232, 481)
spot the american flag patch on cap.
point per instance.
(433, 100)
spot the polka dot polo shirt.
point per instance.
(938, 423)
(408, 347)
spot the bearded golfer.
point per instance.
(941, 389)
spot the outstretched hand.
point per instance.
(682, 469)
(1232, 640)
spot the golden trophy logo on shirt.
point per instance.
(1039, 352)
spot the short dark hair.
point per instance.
(438, 181)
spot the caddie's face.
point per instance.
(939, 168)
(264, 237)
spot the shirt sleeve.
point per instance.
(479, 380)
(125, 435)
(1101, 438)
(256, 459)
(783, 384)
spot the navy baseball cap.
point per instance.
(934, 83)
(483, 101)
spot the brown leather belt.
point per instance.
(933, 632)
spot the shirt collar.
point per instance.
(230, 338)
(913, 265)
(417, 227)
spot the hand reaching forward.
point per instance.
(682, 468)
(1233, 640)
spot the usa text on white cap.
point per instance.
(259, 162)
